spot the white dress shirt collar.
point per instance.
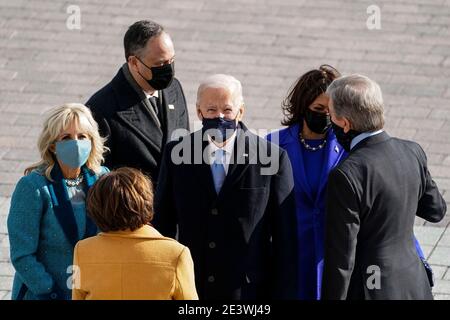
(155, 94)
(363, 136)
(228, 148)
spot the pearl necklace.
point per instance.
(308, 147)
(74, 182)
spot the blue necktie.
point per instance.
(218, 170)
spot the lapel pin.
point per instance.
(336, 148)
(171, 106)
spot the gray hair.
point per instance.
(359, 99)
(138, 35)
(223, 81)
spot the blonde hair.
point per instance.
(58, 120)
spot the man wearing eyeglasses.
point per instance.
(143, 104)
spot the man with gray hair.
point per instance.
(237, 218)
(143, 104)
(373, 198)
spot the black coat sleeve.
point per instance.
(164, 219)
(341, 231)
(184, 115)
(431, 206)
(105, 132)
(94, 104)
(284, 231)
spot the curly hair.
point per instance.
(306, 89)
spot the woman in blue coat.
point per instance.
(48, 213)
(313, 151)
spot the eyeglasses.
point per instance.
(171, 61)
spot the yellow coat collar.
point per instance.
(144, 232)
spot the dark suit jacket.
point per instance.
(243, 241)
(373, 198)
(135, 135)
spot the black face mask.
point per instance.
(344, 139)
(220, 129)
(161, 76)
(317, 122)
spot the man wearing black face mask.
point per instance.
(229, 194)
(373, 198)
(141, 107)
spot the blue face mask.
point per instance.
(73, 153)
(220, 129)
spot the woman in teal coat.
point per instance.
(48, 213)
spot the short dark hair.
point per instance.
(120, 200)
(307, 88)
(138, 35)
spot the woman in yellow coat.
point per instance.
(129, 259)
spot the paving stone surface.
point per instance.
(267, 44)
